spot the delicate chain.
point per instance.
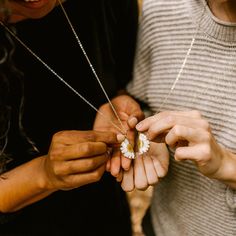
(58, 76)
(90, 64)
(184, 61)
(122, 130)
(179, 74)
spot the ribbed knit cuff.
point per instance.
(231, 197)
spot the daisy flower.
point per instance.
(143, 143)
(127, 149)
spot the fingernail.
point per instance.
(133, 120)
(120, 137)
(139, 126)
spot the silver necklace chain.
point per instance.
(122, 129)
(184, 61)
(90, 64)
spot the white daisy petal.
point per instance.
(127, 149)
(143, 143)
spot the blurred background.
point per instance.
(139, 202)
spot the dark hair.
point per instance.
(5, 107)
(11, 79)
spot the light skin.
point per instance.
(189, 133)
(224, 10)
(75, 158)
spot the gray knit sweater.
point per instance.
(186, 202)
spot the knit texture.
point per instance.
(185, 202)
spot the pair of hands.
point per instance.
(76, 158)
(188, 132)
(144, 170)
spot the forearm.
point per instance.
(23, 186)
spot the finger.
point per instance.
(73, 136)
(120, 176)
(140, 178)
(81, 179)
(168, 118)
(79, 150)
(127, 183)
(161, 163)
(125, 162)
(150, 171)
(108, 165)
(115, 162)
(180, 132)
(82, 165)
(146, 123)
(164, 125)
(198, 153)
(132, 122)
(160, 170)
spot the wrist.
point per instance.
(43, 179)
(227, 171)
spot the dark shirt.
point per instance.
(107, 30)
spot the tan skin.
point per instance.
(224, 10)
(21, 10)
(75, 158)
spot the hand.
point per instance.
(190, 134)
(76, 158)
(146, 169)
(130, 113)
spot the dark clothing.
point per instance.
(107, 29)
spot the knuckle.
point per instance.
(177, 130)
(85, 148)
(54, 154)
(205, 125)
(91, 136)
(196, 113)
(170, 119)
(58, 135)
(57, 171)
(104, 107)
(177, 154)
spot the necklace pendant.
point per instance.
(142, 146)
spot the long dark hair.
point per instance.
(10, 80)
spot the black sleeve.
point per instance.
(125, 40)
